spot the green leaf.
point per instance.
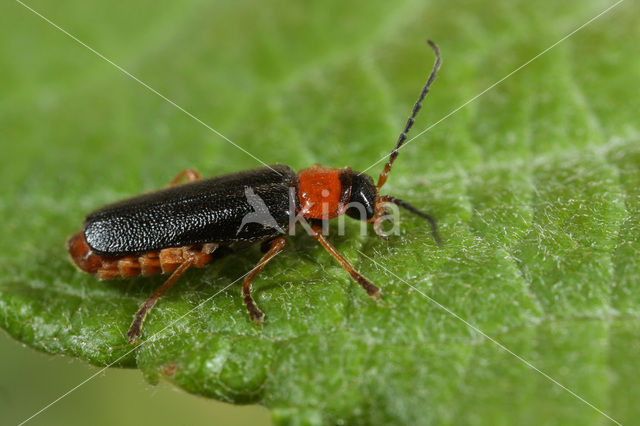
(535, 184)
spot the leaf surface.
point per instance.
(535, 185)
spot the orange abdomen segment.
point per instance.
(149, 263)
(321, 192)
(82, 255)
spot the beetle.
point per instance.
(187, 224)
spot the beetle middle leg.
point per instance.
(191, 175)
(277, 245)
(371, 289)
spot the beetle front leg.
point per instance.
(191, 175)
(371, 289)
(255, 313)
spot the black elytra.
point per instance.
(205, 211)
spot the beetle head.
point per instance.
(363, 197)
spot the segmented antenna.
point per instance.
(414, 210)
(403, 136)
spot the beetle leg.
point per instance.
(371, 289)
(277, 245)
(377, 226)
(190, 174)
(136, 325)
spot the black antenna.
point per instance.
(416, 108)
(405, 205)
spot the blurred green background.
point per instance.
(30, 380)
(294, 83)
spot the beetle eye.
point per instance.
(363, 197)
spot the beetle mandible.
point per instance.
(185, 225)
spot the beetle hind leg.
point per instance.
(175, 261)
(136, 326)
(276, 246)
